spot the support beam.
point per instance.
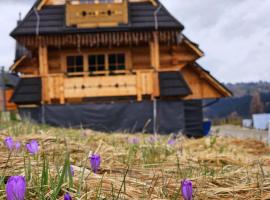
(43, 72)
(155, 63)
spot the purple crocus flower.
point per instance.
(67, 197)
(95, 161)
(32, 147)
(17, 146)
(134, 141)
(152, 140)
(9, 143)
(16, 188)
(171, 142)
(187, 189)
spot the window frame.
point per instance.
(127, 56)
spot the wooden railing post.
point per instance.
(62, 89)
(139, 85)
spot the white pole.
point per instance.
(155, 116)
(268, 139)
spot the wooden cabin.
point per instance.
(94, 52)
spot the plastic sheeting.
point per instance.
(129, 117)
(261, 121)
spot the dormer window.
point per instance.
(99, 1)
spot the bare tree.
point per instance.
(256, 105)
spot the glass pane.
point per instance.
(122, 67)
(92, 60)
(80, 69)
(101, 68)
(70, 61)
(121, 58)
(79, 60)
(112, 59)
(101, 60)
(112, 67)
(92, 68)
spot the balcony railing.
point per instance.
(61, 87)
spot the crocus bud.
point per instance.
(187, 189)
(95, 161)
(9, 143)
(71, 170)
(171, 142)
(134, 141)
(17, 146)
(152, 140)
(16, 188)
(67, 197)
(32, 147)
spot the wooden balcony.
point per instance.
(62, 87)
(96, 15)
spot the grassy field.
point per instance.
(219, 167)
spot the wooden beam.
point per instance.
(198, 51)
(43, 72)
(139, 86)
(15, 65)
(155, 63)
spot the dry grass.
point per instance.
(220, 168)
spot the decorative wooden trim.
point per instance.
(198, 51)
(105, 39)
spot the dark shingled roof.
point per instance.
(173, 84)
(52, 21)
(27, 91)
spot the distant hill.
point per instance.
(240, 104)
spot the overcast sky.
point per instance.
(234, 34)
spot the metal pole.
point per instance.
(3, 89)
(155, 116)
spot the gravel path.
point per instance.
(239, 132)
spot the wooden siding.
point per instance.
(201, 86)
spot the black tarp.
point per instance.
(193, 118)
(131, 117)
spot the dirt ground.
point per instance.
(239, 132)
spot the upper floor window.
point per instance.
(117, 62)
(96, 63)
(74, 64)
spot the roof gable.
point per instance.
(52, 20)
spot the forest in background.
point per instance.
(248, 99)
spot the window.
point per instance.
(74, 64)
(96, 63)
(117, 62)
